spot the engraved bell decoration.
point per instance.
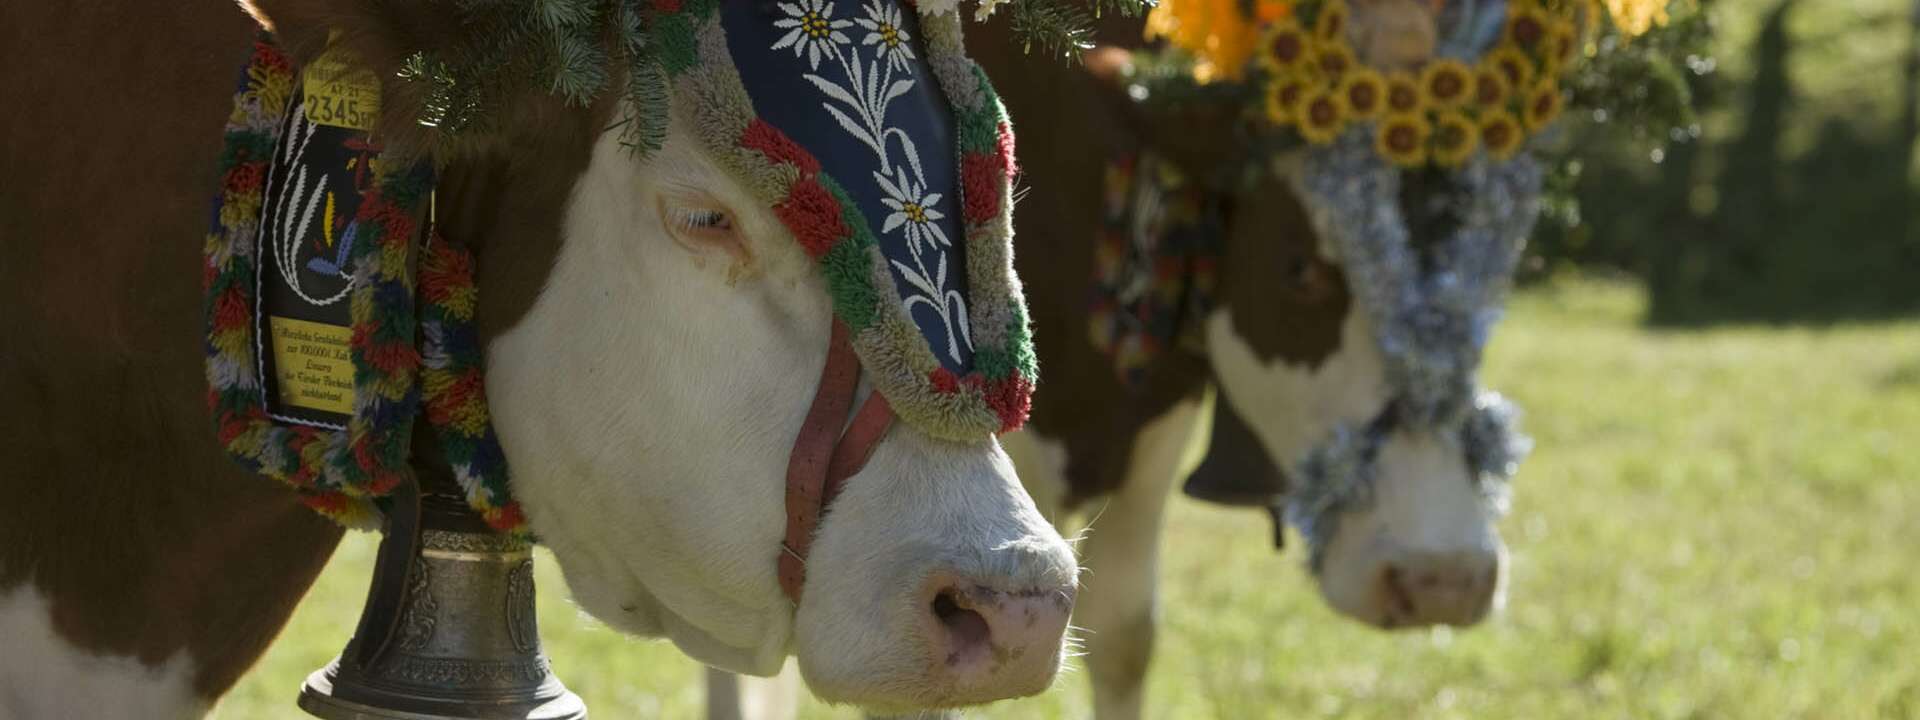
(448, 630)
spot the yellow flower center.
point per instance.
(815, 25)
(889, 35)
(915, 213)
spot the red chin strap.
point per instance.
(824, 456)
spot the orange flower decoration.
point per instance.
(1270, 10)
(1365, 93)
(1322, 116)
(1446, 83)
(1331, 23)
(1500, 134)
(1402, 139)
(1543, 105)
(1403, 94)
(1454, 138)
(1489, 87)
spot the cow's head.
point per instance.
(1299, 362)
(656, 333)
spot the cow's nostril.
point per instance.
(967, 630)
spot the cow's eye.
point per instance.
(701, 222)
(691, 219)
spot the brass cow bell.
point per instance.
(448, 630)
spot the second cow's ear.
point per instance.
(1201, 135)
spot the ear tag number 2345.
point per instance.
(339, 94)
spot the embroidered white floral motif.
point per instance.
(873, 74)
(813, 29)
(883, 31)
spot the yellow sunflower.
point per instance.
(1543, 105)
(1364, 92)
(1446, 83)
(1285, 46)
(1403, 94)
(1322, 116)
(1284, 96)
(1331, 23)
(1402, 138)
(1526, 26)
(1489, 86)
(1333, 60)
(1500, 134)
(1563, 42)
(1513, 64)
(1454, 138)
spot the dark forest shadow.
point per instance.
(1829, 236)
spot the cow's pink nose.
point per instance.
(992, 644)
(1455, 588)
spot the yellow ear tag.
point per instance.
(338, 92)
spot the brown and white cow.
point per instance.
(646, 379)
(1286, 348)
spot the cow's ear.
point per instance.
(1200, 135)
(379, 36)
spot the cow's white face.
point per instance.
(1425, 551)
(648, 402)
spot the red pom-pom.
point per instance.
(813, 216)
(1009, 164)
(944, 381)
(508, 518)
(244, 178)
(778, 148)
(229, 310)
(980, 179)
(1012, 399)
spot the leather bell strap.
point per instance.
(824, 455)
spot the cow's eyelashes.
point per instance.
(700, 219)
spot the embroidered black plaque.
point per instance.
(322, 168)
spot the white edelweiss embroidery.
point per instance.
(882, 24)
(812, 30)
(913, 209)
(873, 74)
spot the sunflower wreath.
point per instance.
(1437, 81)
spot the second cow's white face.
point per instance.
(648, 403)
(1425, 551)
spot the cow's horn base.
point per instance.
(465, 644)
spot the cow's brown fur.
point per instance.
(1287, 302)
(118, 505)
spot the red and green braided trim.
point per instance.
(997, 396)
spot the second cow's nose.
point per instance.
(1455, 588)
(992, 643)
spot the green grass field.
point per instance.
(1715, 524)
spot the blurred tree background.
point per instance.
(1792, 198)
